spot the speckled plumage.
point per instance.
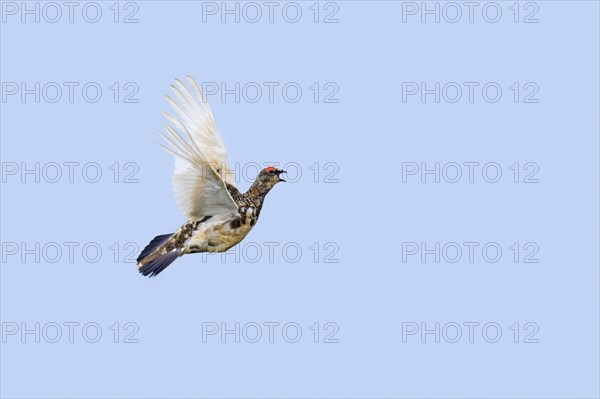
(220, 216)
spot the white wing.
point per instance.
(201, 165)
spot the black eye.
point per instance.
(271, 171)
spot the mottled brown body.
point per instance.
(219, 215)
(230, 230)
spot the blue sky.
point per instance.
(443, 187)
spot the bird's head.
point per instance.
(270, 176)
(266, 179)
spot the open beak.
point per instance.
(279, 172)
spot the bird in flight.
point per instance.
(220, 216)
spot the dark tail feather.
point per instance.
(151, 262)
(153, 246)
(160, 263)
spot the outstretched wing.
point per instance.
(201, 166)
